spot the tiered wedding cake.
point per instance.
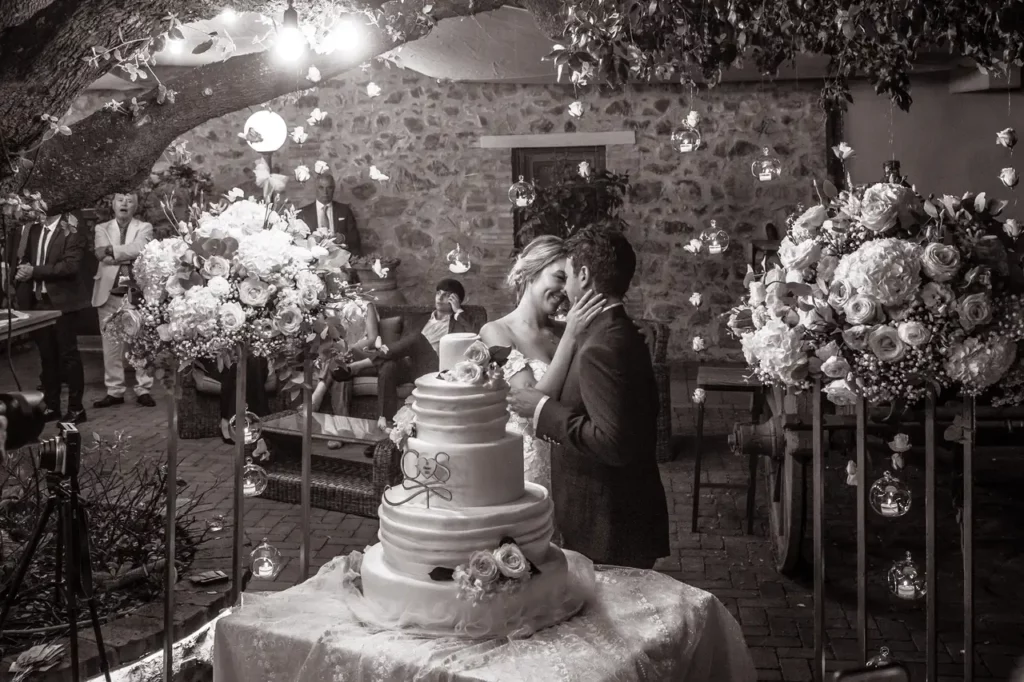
(465, 545)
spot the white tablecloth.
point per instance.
(641, 625)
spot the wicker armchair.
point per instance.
(394, 320)
(656, 334)
(199, 404)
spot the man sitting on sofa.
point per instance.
(416, 352)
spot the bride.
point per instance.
(542, 348)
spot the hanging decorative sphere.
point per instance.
(265, 131)
(458, 260)
(266, 560)
(254, 479)
(715, 241)
(686, 138)
(215, 523)
(883, 658)
(253, 427)
(889, 496)
(766, 168)
(906, 581)
(522, 193)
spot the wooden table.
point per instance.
(33, 321)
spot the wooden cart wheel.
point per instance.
(784, 458)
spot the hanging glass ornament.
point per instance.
(766, 168)
(686, 138)
(715, 241)
(883, 658)
(266, 560)
(458, 260)
(215, 523)
(253, 427)
(889, 496)
(254, 479)
(906, 581)
(522, 193)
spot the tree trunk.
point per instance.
(42, 70)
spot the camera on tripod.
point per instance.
(62, 454)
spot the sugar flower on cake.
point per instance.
(480, 365)
(490, 572)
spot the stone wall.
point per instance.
(444, 188)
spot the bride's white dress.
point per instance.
(536, 453)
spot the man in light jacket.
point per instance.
(118, 243)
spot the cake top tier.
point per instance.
(467, 360)
(453, 348)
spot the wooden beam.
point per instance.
(557, 140)
(973, 80)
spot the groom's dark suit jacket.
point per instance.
(609, 501)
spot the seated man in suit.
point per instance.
(327, 214)
(416, 353)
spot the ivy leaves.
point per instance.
(687, 41)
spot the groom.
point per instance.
(609, 500)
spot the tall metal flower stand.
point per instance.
(170, 574)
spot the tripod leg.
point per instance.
(26, 560)
(58, 554)
(84, 587)
(70, 592)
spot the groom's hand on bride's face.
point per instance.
(523, 401)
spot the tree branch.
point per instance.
(111, 151)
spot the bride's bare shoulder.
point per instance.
(497, 332)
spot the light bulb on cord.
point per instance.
(290, 44)
(175, 46)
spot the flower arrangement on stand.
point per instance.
(886, 295)
(239, 273)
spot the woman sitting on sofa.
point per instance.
(356, 316)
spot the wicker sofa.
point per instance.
(199, 403)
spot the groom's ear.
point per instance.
(583, 274)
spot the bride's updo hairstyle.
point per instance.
(538, 255)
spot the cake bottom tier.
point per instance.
(432, 607)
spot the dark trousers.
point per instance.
(61, 362)
(256, 373)
(410, 357)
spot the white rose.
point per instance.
(483, 567)
(219, 286)
(301, 173)
(699, 344)
(1008, 176)
(836, 367)
(857, 337)
(321, 167)
(940, 261)
(466, 372)
(1012, 228)
(880, 207)
(232, 316)
(309, 296)
(288, 320)
(1007, 137)
(913, 333)
(253, 292)
(511, 561)
(839, 294)
(216, 266)
(164, 332)
(798, 256)
(974, 310)
(839, 392)
(885, 343)
(478, 353)
(861, 310)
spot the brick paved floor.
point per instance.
(775, 612)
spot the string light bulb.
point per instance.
(290, 44)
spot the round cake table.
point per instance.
(640, 625)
